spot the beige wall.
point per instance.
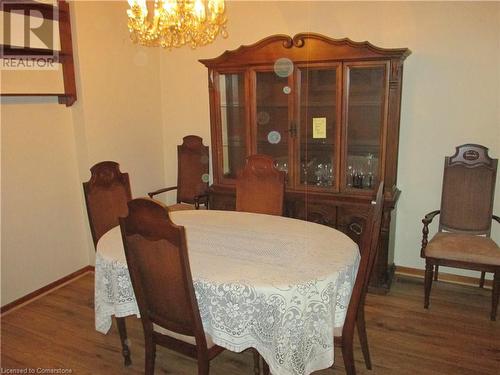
(43, 237)
(117, 115)
(450, 93)
(47, 150)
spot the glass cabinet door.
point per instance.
(318, 115)
(272, 123)
(232, 118)
(366, 93)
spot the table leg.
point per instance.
(122, 330)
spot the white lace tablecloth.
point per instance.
(277, 284)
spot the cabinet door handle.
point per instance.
(356, 228)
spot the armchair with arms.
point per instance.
(463, 238)
(192, 175)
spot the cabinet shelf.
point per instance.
(271, 105)
(364, 104)
(330, 107)
(273, 145)
(316, 144)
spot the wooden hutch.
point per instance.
(328, 112)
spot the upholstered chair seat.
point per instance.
(181, 207)
(337, 331)
(188, 339)
(463, 248)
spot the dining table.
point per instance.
(277, 284)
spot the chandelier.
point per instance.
(175, 23)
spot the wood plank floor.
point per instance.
(454, 337)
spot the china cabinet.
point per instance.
(328, 112)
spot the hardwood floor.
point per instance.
(454, 337)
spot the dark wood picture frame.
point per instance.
(64, 56)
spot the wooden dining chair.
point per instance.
(158, 262)
(106, 196)
(192, 175)
(355, 315)
(260, 187)
(356, 309)
(463, 237)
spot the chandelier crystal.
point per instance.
(175, 23)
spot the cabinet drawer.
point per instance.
(315, 212)
(352, 221)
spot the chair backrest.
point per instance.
(468, 191)
(260, 187)
(106, 196)
(158, 263)
(192, 169)
(368, 249)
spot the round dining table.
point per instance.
(279, 285)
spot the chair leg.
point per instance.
(348, 355)
(436, 272)
(428, 283)
(150, 356)
(256, 362)
(265, 367)
(496, 293)
(203, 367)
(122, 330)
(363, 338)
(481, 280)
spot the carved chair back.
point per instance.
(192, 171)
(260, 187)
(368, 249)
(106, 196)
(158, 262)
(468, 191)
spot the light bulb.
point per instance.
(199, 10)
